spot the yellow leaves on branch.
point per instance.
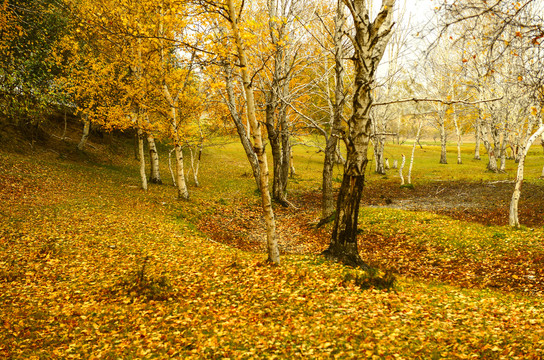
(132, 53)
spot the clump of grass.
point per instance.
(372, 279)
(499, 235)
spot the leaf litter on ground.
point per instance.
(79, 259)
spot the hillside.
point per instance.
(93, 267)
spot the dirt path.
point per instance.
(485, 203)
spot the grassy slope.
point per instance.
(91, 267)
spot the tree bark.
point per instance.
(243, 133)
(331, 146)
(379, 144)
(443, 141)
(401, 169)
(369, 45)
(155, 176)
(478, 133)
(413, 153)
(272, 243)
(275, 139)
(513, 219)
(492, 159)
(276, 107)
(183, 192)
(141, 153)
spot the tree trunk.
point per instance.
(443, 141)
(275, 141)
(503, 157)
(459, 138)
(292, 171)
(86, 132)
(369, 44)
(243, 133)
(276, 107)
(155, 176)
(142, 158)
(513, 219)
(272, 243)
(327, 197)
(63, 137)
(492, 159)
(478, 133)
(379, 144)
(170, 167)
(413, 153)
(331, 146)
(401, 169)
(285, 147)
(183, 193)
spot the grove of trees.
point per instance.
(354, 74)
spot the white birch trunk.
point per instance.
(492, 164)
(413, 153)
(401, 168)
(155, 176)
(443, 139)
(456, 124)
(170, 167)
(478, 133)
(195, 161)
(268, 212)
(183, 193)
(459, 138)
(513, 219)
(142, 158)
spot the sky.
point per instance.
(415, 24)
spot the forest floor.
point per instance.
(454, 206)
(93, 267)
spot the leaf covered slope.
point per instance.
(91, 267)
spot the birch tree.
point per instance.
(369, 42)
(272, 244)
(513, 218)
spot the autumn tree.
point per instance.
(512, 51)
(369, 40)
(142, 54)
(29, 36)
(231, 13)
